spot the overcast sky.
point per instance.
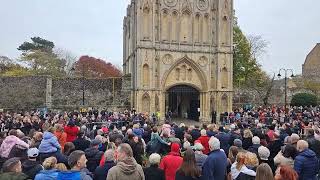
(94, 27)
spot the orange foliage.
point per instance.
(96, 68)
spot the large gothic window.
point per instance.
(185, 27)
(146, 75)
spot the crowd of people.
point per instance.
(261, 144)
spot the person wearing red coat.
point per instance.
(204, 140)
(72, 131)
(171, 162)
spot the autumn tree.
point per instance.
(95, 68)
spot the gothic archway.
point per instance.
(183, 102)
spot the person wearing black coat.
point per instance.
(93, 155)
(31, 167)
(195, 133)
(154, 172)
(101, 172)
(137, 148)
(81, 143)
(179, 132)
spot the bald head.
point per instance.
(302, 145)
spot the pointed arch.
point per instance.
(146, 103)
(197, 71)
(146, 75)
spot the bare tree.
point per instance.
(68, 57)
(258, 46)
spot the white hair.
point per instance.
(255, 140)
(203, 132)
(214, 143)
(154, 159)
(186, 145)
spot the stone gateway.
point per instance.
(179, 56)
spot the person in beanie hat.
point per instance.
(11, 170)
(93, 155)
(31, 167)
(171, 162)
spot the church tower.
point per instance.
(179, 56)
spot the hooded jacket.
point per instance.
(306, 165)
(171, 162)
(62, 138)
(72, 132)
(49, 143)
(31, 168)
(94, 156)
(8, 143)
(127, 169)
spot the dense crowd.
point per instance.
(261, 144)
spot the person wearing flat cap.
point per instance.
(93, 155)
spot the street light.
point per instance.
(82, 81)
(285, 84)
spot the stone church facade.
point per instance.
(311, 66)
(179, 56)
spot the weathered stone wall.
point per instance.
(65, 94)
(22, 93)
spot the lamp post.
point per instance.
(285, 84)
(82, 82)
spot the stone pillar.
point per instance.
(49, 93)
(162, 99)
